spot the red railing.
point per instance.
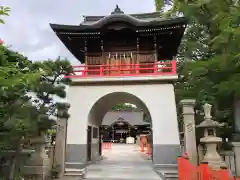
(160, 68)
(187, 171)
(107, 145)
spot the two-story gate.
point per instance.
(128, 58)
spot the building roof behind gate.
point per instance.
(133, 118)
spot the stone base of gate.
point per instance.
(165, 160)
(76, 156)
(165, 154)
(170, 173)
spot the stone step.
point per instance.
(168, 174)
(119, 167)
(75, 172)
(116, 179)
(171, 175)
(72, 177)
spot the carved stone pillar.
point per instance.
(60, 144)
(189, 129)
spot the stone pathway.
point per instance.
(122, 162)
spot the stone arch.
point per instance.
(107, 101)
(100, 108)
(89, 104)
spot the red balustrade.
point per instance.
(160, 68)
(187, 171)
(107, 145)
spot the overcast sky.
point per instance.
(27, 28)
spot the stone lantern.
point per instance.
(38, 166)
(210, 139)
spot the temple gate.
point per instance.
(127, 58)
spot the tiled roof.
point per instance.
(144, 16)
(133, 118)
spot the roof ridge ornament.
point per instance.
(117, 10)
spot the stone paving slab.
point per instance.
(77, 178)
(123, 162)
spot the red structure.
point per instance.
(107, 145)
(160, 68)
(187, 171)
(122, 44)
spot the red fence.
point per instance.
(160, 68)
(187, 171)
(107, 145)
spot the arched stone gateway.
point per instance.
(124, 58)
(89, 104)
(107, 101)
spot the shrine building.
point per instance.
(118, 125)
(125, 58)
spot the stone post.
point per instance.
(60, 144)
(189, 129)
(236, 149)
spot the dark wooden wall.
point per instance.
(120, 48)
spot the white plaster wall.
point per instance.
(159, 98)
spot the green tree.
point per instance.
(4, 11)
(51, 84)
(27, 107)
(208, 56)
(123, 107)
(17, 115)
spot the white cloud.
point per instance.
(27, 28)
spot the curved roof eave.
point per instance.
(138, 16)
(118, 18)
(57, 27)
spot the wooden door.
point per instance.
(118, 61)
(126, 61)
(114, 64)
(146, 63)
(93, 63)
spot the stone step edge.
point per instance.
(74, 172)
(164, 174)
